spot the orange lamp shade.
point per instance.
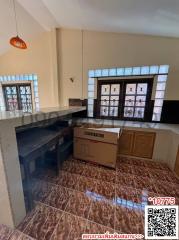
(18, 42)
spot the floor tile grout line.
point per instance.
(87, 176)
(57, 222)
(58, 185)
(21, 233)
(62, 214)
(74, 215)
(30, 221)
(60, 217)
(72, 189)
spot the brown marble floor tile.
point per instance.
(107, 175)
(175, 189)
(125, 168)
(143, 196)
(43, 223)
(17, 235)
(125, 179)
(79, 204)
(138, 162)
(152, 195)
(92, 171)
(144, 183)
(163, 166)
(85, 184)
(125, 194)
(125, 160)
(165, 188)
(159, 174)
(128, 220)
(177, 201)
(73, 167)
(171, 177)
(58, 197)
(141, 171)
(70, 227)
(67, 179)
(93, 228)
(156, 165)
(41, 190)
(102, 212)
(5, 232)
(25, 237)
(21, 227)
(105, 189)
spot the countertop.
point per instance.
(131, 124)
(19, 118)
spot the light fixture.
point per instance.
(17, 41)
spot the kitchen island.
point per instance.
(12, 205)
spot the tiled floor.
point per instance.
(85, 198)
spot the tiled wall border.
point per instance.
(20, 78)
(161, 72)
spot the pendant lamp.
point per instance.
(17, 41)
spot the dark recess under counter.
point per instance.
(45, 147)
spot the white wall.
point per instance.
(106, 50)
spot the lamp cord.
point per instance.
(15, 16)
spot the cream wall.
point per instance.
(39, 58)
(56, 57)
(106, 50)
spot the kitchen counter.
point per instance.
(131, 124)
(12, 206)
(42, 114)
(166, 140)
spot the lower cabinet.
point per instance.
(143, 144)
(137, 143)
(126, 142)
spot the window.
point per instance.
(160, 72)
(124, 99)
(159, 97)
(109, 102)
(21, 79)
(18, 97)
(135, 100)
(91, 89)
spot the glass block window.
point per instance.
(161, 72)
(159, 94)
(112, 72)
(24, 93)
(91, 90)
(135, 100)
(109, 100)
(18, 97)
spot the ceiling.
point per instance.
(153, 17)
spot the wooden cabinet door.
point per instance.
(126, 142)
(177, 164)
(143, 144)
